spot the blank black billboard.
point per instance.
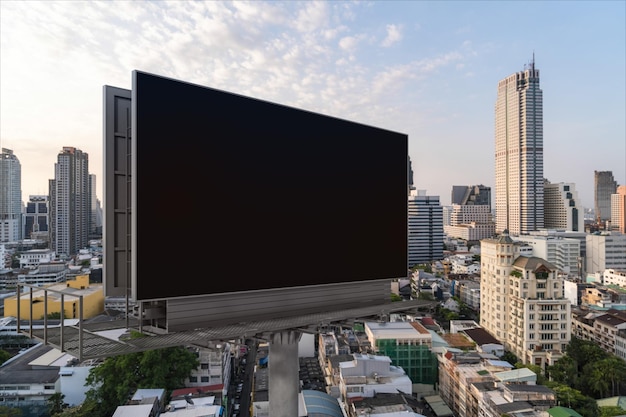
(236, 194)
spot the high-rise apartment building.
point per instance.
(618, 209)
(522, 302)
(70, 198)
(604, 186)
(36, 217)
(425, 228)
(519, 153)
(562, 210)
(10, 197)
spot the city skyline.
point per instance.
(427, 69)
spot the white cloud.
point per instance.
(394, 35)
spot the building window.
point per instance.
(193, 379)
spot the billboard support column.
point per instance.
(283, 372)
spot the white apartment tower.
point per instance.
(70, 202)
(10, 197)
(519, 153)
(522, 302)
(561, 207)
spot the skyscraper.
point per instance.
(604, 186)
(519, 152)
(70, 202)
(425, 228)
(10, 197)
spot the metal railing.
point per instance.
(45, 315)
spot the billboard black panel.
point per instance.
(235, 194)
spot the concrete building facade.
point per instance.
(606, 250)
(604, 187)
(519, 201)
(10, 197)
(562, 209)
(36, 217)
(523, 303)
(618, 210)
(70, 202)
(425, 234)
(561, 252)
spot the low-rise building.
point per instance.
(409, 345)
(367, 375)
(50, 298)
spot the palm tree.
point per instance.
(613, 369)
(597, 380)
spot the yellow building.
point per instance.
(93, 300)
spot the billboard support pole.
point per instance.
(283, 373)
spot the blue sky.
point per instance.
(429, 69)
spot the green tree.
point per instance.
(574, 399)
(56, 404)
(10, 412)
(596, 380)
(510, 358)
(605, 376)
(564, 371)
(613, 369)
(395, 297)
(584, 352)
(88, 408)
(118, 377)
(4, 356)
(423, 295)
(611, 411)
(451, 315)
